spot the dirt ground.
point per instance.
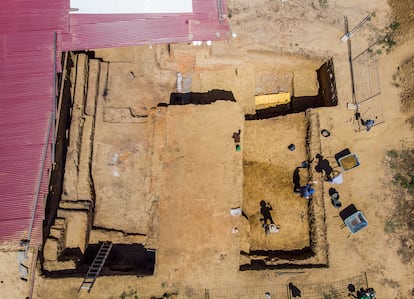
(268, 170)
(197, 249)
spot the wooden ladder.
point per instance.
(96, 267)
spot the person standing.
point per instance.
(236, 138)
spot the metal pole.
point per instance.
(54, 96)
(220, 10)
(33, 271)
(350, 62)
(39, 183)
(348, 34)
(366, 278)
(62, 85)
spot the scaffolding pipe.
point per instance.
(62, 85)
(54, 95)
(348, 34)
(220, 10)
(39, 182)
(350, 63)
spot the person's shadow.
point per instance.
(296, 180)
(294, 290)
(265, 211)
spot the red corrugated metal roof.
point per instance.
(92, 31)
(26, 99)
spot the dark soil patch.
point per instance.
(404, 78)
(401, 224)
(402, 11)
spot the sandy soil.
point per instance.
(200, 188)
(268, 171)
(197, 250)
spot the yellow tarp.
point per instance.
(270, 100)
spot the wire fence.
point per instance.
(366, 76)
(259, 292)
(332, 290)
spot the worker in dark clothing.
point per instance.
(296, 180)
(236, 136)
(368, 123)
(323, 166)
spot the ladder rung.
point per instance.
(93, 269)
(91, 273)
(96, 266)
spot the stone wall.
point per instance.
(70, 229)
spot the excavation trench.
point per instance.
(100, 166)
(268, 170)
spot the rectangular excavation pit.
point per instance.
(303, 98)
(123, 259)
(268, 175)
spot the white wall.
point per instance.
(131, 6)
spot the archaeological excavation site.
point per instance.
(147, 167)
(206, 149)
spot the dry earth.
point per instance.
(275, 39)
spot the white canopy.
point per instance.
(130, 6)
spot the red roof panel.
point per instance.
(26, 98)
